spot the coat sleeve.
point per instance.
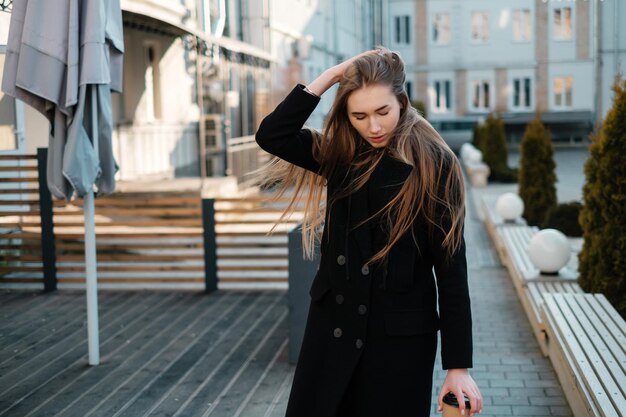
(454, 301)
(281, 132)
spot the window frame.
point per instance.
(485, 99)
(401, 29)
(525, 97)
(441, 101)
(484, 25)
(434, 26)
(567, 91)
(525, 17)
(557, 35)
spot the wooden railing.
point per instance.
(143, 240)
(21, 260)
(246, 255)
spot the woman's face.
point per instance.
(374, 112)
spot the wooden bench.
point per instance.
(493, 221)
(533, 299)
(587, 346)
(511, 241)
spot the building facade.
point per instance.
(466, 59)
(200, 75)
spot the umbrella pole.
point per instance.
(90, 251)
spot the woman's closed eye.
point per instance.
(382, 114)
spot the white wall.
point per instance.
(613, 33)
(175, 80)
(402, 8)
(559, 49)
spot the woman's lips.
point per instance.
(377, 139)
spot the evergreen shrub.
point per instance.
(536, 173)
(564, 217)
(602, 261)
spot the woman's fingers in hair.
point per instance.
(345, 64)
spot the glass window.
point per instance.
(558, 91)
(521, 25)
(527, 92)
(402, 25)
(8, 140)
(569, 81)
(398, 29)
(409, 90)
(441, 97)
(521, 93)
(481, 94)
(480, 27)
(563, 91)
(562, 22)
(441, 28)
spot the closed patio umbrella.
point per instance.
(64, 58)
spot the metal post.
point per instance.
(90, 249)
(210, 244)
(48, 250)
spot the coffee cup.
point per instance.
(451, 406)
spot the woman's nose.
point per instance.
(374, 126)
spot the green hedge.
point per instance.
(564, 217)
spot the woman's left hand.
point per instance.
(459, 381)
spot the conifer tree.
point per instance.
(602, 261)
(491, 139)
(536, 175)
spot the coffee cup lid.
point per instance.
(450, 399)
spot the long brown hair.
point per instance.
(434, 189)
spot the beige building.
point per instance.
(468, 58)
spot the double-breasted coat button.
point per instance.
(339, 299)
(337, 332)
(365, 270)
(362, 309)
(341, 260)
(358, 343)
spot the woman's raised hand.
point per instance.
(339, 69)
(333, 74)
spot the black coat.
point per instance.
(371, 330)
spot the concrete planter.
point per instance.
(301, 274)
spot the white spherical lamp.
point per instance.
(509, 207)
(475, 156)
(466, 148)
(549, 250)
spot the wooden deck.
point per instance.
(162, 354)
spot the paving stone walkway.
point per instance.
(509, 368)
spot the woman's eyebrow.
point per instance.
(378, 109)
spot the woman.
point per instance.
(394, 210)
